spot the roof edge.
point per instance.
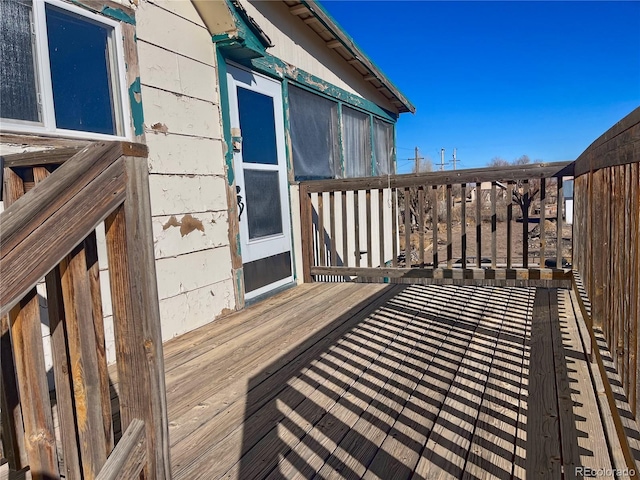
(318, 11)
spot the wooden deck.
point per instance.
(379, 381)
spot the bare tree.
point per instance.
(523, 193)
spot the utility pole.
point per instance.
(417, 160)
(441, 159)
(454, 158)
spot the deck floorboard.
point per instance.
(387, 382)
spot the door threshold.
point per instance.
(270, 293)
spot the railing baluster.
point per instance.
(421, 225)
(478, 224)
(559, 224)
(407, 227)
(525, 224)
(62, 374)
(463, 224)
(381, 225)
(332, 226)
(494, 226)
(369, 239)
(12, 428)
(306, 224)
(449, 233)
(394, 227)
(434, 225)
(345, 236)
(321, 244)
(356, 222)
(83, 360)
(39, 436)
(543, 231)
(509, 224)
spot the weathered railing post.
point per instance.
(137, 318)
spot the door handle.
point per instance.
(240, 202)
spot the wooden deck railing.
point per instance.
(381, 227)
(49, 233)
(607, 243)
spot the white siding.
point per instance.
(186, 163)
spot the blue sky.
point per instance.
(502, 79)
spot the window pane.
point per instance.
(80, 56)
(264, 212)
(356, 139)
(258, 127)
(18, 92)
(383, 142)
(314, 135)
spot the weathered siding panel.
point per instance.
(173, 32)
(186, 164)
(177, 275)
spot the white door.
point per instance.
(261, 179)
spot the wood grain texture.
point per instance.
(83, 362)
(39, 436)
(62, 376)
(53, 232)
(306, 226)
(137, 318)
(53, 156)
(476, 175)
(544, 457)
(129, 457)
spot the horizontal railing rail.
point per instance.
(54, 201)
(455, 226)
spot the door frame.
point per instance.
(251, 250)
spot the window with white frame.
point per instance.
(61, 70)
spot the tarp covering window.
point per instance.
(383, 144)
(356, 141)
(314, 135)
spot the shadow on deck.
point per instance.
(391, 382)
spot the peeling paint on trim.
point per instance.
(135, 101)
(274, 67)
(118, 14)
(226, 118)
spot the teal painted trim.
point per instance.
(247, 41)
(118, 14)
(374, 164)
(135, 103)
(225, 109)
(287, 127)
(114, 13)
(276, 68)
(340, 143)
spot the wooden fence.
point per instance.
(48, 232)
(607, 243)
(378, 227)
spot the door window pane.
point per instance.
(383, 143)
(18, 91)
(356, 139)
(264, 210)
(80, 54)
(314, 135)
(258, 127)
